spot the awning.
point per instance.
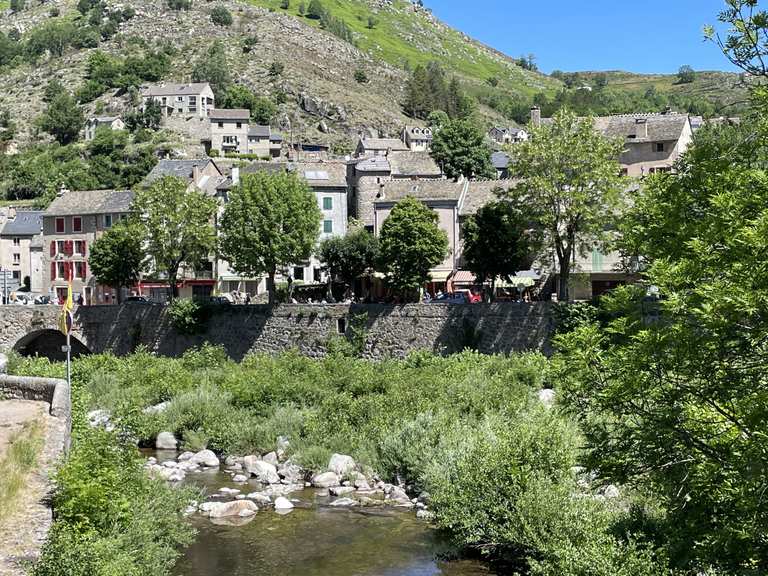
(439, 275)
(238, 279)
(516, 282)
(464, 277)
(199, 282)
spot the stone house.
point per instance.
(502, 135)
(201, 173)
(652, 142)
(379, 146)
(20, 247)
(96, 122)
(417, 139)
(192, 99)
(229, 130)
(366, 176)
(500, 161)
(263, 142)
(72, 222)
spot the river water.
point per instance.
(315, 539)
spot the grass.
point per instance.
(22, 455)
(392, 40)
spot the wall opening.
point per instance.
(341, 325)
(48, 343)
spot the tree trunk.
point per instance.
(493, 290)
(173, 291)
(563, 293)
(271, 288)
(119, 291)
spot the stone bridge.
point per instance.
(389, 330)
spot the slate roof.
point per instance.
(396, 190)
(321, 174)
(178, 168)
(500, 160)
(270, 167)
(372, 164)
(383, 144)
(481, 192)
(171, 89)
(419, 133)
(414, 164)
(103, 119)
(75, 203)
(275, 137)
(26, 223)
(259, 131)
(242, 114)
(661, 127)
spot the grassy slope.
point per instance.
(714, 86)
(402, 36)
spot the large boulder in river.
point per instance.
(341, 465)
(205, 458)
(166, 441)
(271, 458)
(325, 480)
(263, 471)
(282, 503)
(234, 508)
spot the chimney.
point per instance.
(641, 128)
(235, 175)
(535, 116)
(63, 190)
(195, 173)
(11, 213)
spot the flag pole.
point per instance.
(69, 363)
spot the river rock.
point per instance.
(264, 472)
(345, 502)
(291, 473)
(260, 498)
(206, 507)
(230, 491)
(271, 458)
(368, 502)
(360, 482)
(239, 478)
(282, 446)
(425, 515)
(102, 419)
(205, 458)
(166, 441)
(246, 513)
(341, 464)
(325, 480)
(282, 503)
(341, 490)
(157, 408)
(611, 491)
(233, 508)
(184, 456)
(547, 397)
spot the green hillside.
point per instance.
(406, 36)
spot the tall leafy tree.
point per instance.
(315, 10)
(63, 119)
(498, 242)
(262, 109)
(177, 224)
(459, 148)
(672, 394)
(349, 257)
(270, 221)
(117, 256)
(570, 185)
(411, 243)
(212, 67)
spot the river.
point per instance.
(315, 539)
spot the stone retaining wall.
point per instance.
(390, 331)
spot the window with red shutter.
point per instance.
(85, 271)
(53, 249)
(59, 225)
(77, 224)
(69, 246)
(53, 270)
(85, 248)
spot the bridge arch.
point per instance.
(48, 342)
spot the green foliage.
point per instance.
(110, 517)
(428, 90)
(212, 67)
(671, 393)
(188, 316)
(570, 186)
(459, 148)
(54, 37)
(498, 242)
(276, 69)
(17, 5)
(411, 242)
(349, 257)
(105, 71)
(149, 117)
(337, 27)
(180, 4)
(360, 76)
(221, 16)
(270, 221)
(262, 109)
(177, 225)
(63, 119)
(315, 10)
(117, 256)
(7, 128)
(285, 4)
(569, 316)
(249, 43)
(686, 75)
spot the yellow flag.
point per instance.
(65, 320)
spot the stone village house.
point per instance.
(96, 122)
(21, 248)
(231, 131)
(192, 99)
(72, 222)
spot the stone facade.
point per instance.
(392, 331)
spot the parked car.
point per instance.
(136, 300)
(42, 300)
(220, 300)
(451, 298)
(471, 297)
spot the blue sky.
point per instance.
(635, 35)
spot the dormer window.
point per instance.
(659, 146)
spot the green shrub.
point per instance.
(188, 316)
(360, 76)
(221, 16)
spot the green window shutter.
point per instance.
(328, 226)
(597, 261)
(327, 203)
